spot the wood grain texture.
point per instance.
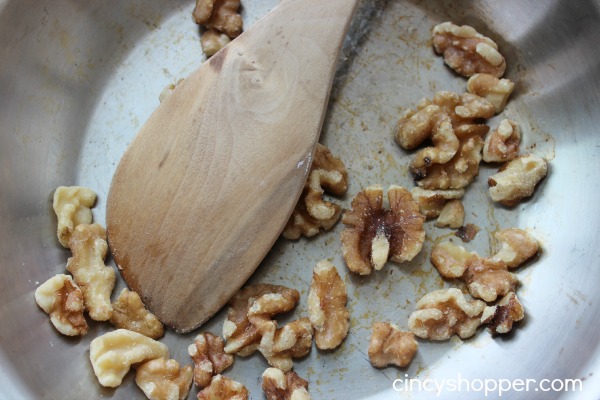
(205, 188)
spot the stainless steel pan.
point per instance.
(78, 78)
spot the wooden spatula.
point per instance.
(207, 185)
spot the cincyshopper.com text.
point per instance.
(487, 387)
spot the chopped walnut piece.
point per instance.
(466, 51)
(432, 202)
(390, 345)
(445, 146)
(452, 215)
(96, 280)
(501, 316)
(517, 179)
(209, 357)
(278, 385)
(129, 313)
(327, 306)
(223, 388)
(220, 15)
(280, 345)
(72, 207)
(61, 298)
(170, 88)
(368, 224)
(486, 278)
(443, 313)
(496, 91)
(503, 143)
(467, 233)
(113, 353)
(241, 335)
(162, 379)
(312, 213)
(212, 41)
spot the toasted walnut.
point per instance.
(278, 385)
(517, 179)
(327, 306)
(96, 280)
(113, 353)
(223, 388)
(61, 298)
(463, 109)
(496, 91)
(432, 202)
(129, 313)
(241, 335)
(486, 278)
(460, 171)
(169, 89)
(220, 15)
(312, 213)
(212, 41)
(373, 234)
(209, 358)
(466, 51)
(443, 313)
(445, 146)
(452, 215)
(416, 126)
(72, 207)
(502, 315)
(389, 345)
(162, 379)
(280, 345)
(503, 143)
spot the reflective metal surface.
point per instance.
(78, 78)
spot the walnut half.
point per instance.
(443, 313)
(223, 388)
(209, 358)
(327, 306)
(374, 234)
(278, 385)
(162, 379)
(517, 179)
(390, 345)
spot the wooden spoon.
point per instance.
(207, 185)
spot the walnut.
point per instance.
(463, 109)
(129, 313)
(212, 41)
(113, 353)
(442, 313)
(96, 280)
(390, 345)
(209, 358)
(503, 143)
(223, 388)
(467, 232)
(327, 306)
(466, 51)
(162, 379)
(486, 278)
(445, 146)
(61, 298)
(72, 207)
(416, 126)
(278, 385)
(502, 315)
(496, 91)
(373, 234)
(280, 345)
(517, 179)
(170, 88)
(312, 213)
(241, 335)
(452, 215)
(220, 15)
(432, 202)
